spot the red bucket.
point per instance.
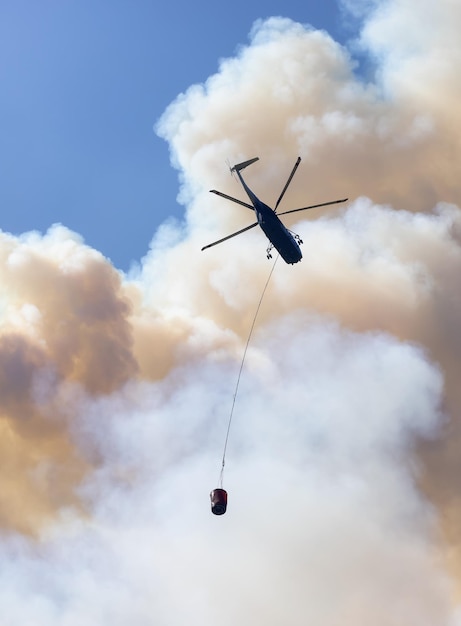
(218, 499)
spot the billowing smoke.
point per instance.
(342, 463)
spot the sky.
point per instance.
(121, 342)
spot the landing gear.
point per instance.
(268, 251)
(297, 238)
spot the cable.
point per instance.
(240, 372)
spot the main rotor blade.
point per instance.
(314, 206)
(229, 236)
(287, 183)
(224, 195)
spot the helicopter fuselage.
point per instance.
(273, 227)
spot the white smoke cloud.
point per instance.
(342, 459)
(322, 494)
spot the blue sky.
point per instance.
(83, 85)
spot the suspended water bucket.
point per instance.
(218, 499)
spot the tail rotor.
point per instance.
(231, 169)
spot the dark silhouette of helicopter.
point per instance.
(280, 238)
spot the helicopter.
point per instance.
(283, 240)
